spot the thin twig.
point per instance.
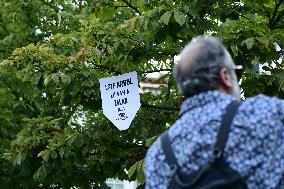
(169, 82)
(273, 22)
(121, 6)
(131, 6)
(172, 109)
(244, 17)
(153, 71)
(279, 17)
(106, 68)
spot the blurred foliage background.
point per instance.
(52, 52)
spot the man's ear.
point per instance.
(225, 78)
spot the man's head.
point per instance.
(203, 65)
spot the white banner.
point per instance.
(120, 99)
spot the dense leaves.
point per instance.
(53, 133)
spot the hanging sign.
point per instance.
(120, 99)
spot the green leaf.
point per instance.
(150, 141)
(79, 142)
(19, 158)
(61, 152)
(137, 168)
(249, 42)
(97, 52)
(44, 154)
(65, 78)
(53, 154)
(165, 18)
(180, 17)
(132, 170)
(40, 173)
(234, 50)
(264, 41)
(55, 77)
(47, 80)
(140, 172)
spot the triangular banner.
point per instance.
(120, 99)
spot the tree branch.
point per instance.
(272, 21)
(80, 3)
(241, 15)
(131, 6)
(264, 8)
(153, 71)
(279, 17)
(203, 9)
(191, 19)
(121, 6)
(277, 5)
(124, 145)
(106, 68)
(171, 109)
(169, 82)
(71, 113)
(281, 26)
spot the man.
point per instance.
(206, 76)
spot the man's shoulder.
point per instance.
(264, 97)
(262, 106)
(261, 99)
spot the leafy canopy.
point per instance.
(53, 133)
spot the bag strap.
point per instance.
(225, 128)
(168, 151)
(221, 140)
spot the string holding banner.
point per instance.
(120, 99)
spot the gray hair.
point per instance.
(199, 71)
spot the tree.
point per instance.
(23, 22)
(52, 83)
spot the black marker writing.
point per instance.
(119, 102)
(119, 84)
(120, 93)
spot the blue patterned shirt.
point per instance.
(255, 147)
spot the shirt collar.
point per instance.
(203, 99)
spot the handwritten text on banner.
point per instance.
(120, 99)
